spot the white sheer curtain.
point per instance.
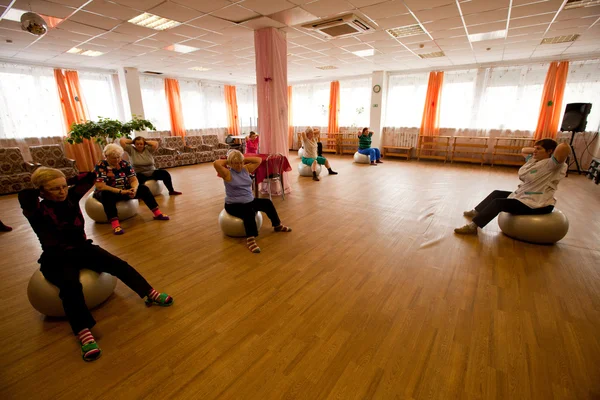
(203, 104)
(101, 96)
(29, 102)
(406, 100)
(355, 102)
(511, 97)
(310, 104)
(583, 86)
(247, 107)
(458, 99)
(156, 109)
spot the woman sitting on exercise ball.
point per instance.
(544, 168)
(142, 161)
(239, 200)
(116, 181)
(59, 225)
(311, 157)
(364, 147)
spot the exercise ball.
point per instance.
(542, 229)
(234, 226)
(361, 158)
(304, 170)
(95, 210)
(43, 295)
(301, 152)
(156, 187)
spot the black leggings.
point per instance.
(247, 212)
(497, 202)
(109, 200)
(158, 175)
(63, 271)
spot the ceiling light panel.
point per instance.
(83, 52)
(560, 39)
(199, 69)
(479, 37)
(364, 53)
(180, 48)
(155, 22)
(432, 55)
(327, 67)
(405, 31)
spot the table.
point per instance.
(240, 140)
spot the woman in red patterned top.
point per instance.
(59, 225)
(116, 181)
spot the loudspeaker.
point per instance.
(575, 118)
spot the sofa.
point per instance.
(204, 152)
(53, 156)
(15, 172)
(220, 149)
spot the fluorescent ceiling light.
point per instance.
(571, 4)
(180, 48)
(326, 67)
(432, 55)
(479, 37)
(200, 69)
(404, 31)
(82, 52)
(364, 53)
(152, 21)
(560, 39)
(14, 14)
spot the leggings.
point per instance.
(62, 270)
(109, 200)
(158, 175)
(373, 153)
(247, 212)
(498, 201)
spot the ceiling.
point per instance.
(222, 30)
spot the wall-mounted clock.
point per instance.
(377, 88)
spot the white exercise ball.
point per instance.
(362, 158)
(301, 152)
(542, 229)
(43, 295)
(234, 226)
(156, 187)
(304, 170)
(125, 209)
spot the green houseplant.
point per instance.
(106, 129)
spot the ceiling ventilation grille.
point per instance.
(560, 39)
(343, 26)
(581, 3)
(405, 31)
(432, 55)
(326, 67)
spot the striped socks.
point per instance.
(89, 348)
(162, 299)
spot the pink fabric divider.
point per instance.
(271, 81)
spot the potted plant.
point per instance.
(106, 130)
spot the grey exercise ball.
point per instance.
(304, 170)
(301, 152)
(43, 295)
(541, 229)
(125, 209)
(234, 226)
(362, 158)
(156, 187)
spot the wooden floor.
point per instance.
(370, 297)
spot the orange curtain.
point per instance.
(290, 120)
(552, 99)
(232, 110)
(334, 107)
(430, 124)
(88, 153)
(174, 102)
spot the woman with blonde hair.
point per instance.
(116, 181)
(239, 200)
(311, 157)
(59, 225)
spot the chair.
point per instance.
(53, 156)
(15, 172)
(204, 153)
(220, 149)
(274, 165)
(184, 156)
(164, 157)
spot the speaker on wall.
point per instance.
(575, 118)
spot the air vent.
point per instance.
(560, 39)
(432, 55)
(405, 31)
(581, 3)
(152, 73)
(325, 67)
(343, 26)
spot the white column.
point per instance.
(131, 94)
(378, 107)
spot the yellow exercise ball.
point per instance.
(541, 229)
(43, 295)
(234, 226)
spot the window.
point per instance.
(100, 95)
(203, 104)
(247, 108)
(406, 100)
(29, 102)
(583, 86)
(458, 99)
(310, 104)
(355, 102)
(154, 99)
